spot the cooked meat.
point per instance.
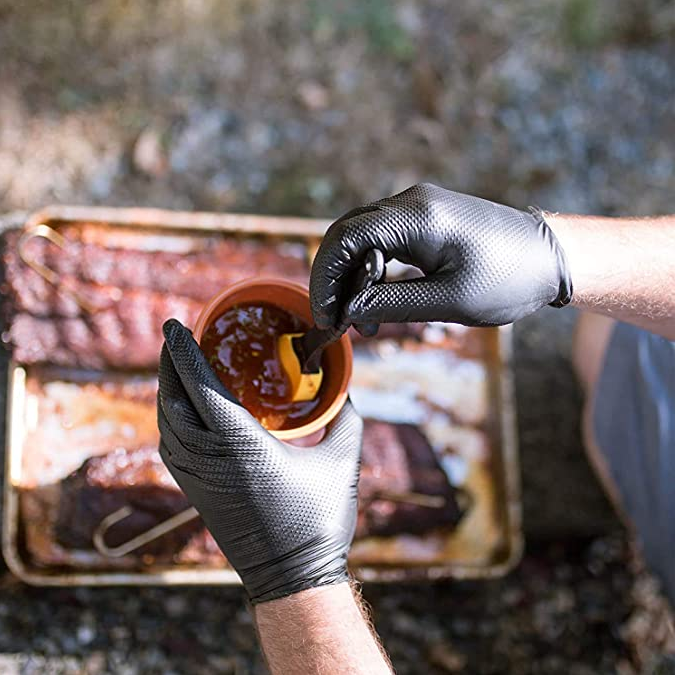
(127, 335)
(103, 485)
(132, 292)
(402, 489)
(193, 274)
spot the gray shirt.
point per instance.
(634, 424)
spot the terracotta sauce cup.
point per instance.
(336, 360)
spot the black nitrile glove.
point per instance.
(283, 516)
(485, 264)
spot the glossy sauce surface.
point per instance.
(241, 346)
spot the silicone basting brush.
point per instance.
(300, 353)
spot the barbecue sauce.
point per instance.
(241, 346)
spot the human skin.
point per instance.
(320, 630)
(623, 268)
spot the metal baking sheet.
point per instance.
(487, 543)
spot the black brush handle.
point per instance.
(310, 346)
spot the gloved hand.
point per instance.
(284, 516)
(484, 264)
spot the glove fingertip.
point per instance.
(184, 365)
(324, 309)
(355, 310)
(367, 330)
(173, 328)
(321, 320)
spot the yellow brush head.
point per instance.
(304, 386)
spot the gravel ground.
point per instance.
(311, 108)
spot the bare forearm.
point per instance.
(622, 267)
(320, 630)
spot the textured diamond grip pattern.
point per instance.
(283, 516)
(485, 264)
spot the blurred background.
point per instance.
(310, 108)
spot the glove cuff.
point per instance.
(338, 577)
(565, 288)
(320, 562)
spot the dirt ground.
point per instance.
(310, 108)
